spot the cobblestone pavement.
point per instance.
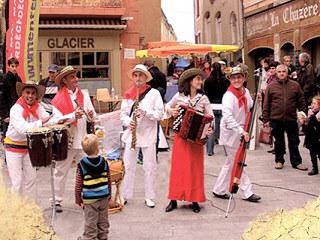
(137, 221)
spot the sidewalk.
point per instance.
(136, 221)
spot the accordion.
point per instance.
(192, 125)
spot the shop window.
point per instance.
(87, 58)
(92, 65)
(59, 58)
(74, 58)
(102, 58)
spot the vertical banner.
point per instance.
(22, 37)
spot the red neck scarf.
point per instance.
(132, 92)
(62, 101)
(241, 97)
(27, 110)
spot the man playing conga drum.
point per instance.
(25, 114)
(64, 107)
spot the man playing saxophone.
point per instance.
(141, 108)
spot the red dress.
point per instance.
(187, 171)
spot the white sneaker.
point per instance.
(150, 203)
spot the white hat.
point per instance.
(140, 68)
(222, 62)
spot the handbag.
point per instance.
(265, 136)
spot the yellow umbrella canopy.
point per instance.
(165, 49)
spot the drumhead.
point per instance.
(39, 130)
(58, 126)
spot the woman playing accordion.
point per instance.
(187, 163)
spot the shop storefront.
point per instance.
(95, 53)
(285, 29)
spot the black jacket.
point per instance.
(214, 88)
(312, 131)
(158, 81)
(8, 93)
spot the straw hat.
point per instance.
(236, 70)
(41, 90)
(64, 72)
(192, 72)
(140, 68)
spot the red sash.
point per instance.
(62, 101)
(27, 110)
(242, 99)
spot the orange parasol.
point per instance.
(165, 49)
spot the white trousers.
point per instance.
(20, 169)
(149, 167)
(223, 181)
(61, 173)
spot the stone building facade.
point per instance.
(282, 27)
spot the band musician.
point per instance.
(64, 107)
(141, 132)
(187, 161)
(25, 114)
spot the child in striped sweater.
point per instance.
(93, 189)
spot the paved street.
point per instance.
(136, 221)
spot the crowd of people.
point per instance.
(214, 90)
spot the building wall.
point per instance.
(282, 28)
(129, 39)
(150, 20)
(120, 44)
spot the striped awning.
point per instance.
(109, 24)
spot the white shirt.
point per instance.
(203, 104)
(19, 126)
(81, 128)
(233, 119)
(146, 130)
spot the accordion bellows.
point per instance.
(190, 124)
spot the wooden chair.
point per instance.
(103, 95)
(167, 125)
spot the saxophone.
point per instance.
(134, 118)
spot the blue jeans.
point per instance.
(216, 132)
(278, 129)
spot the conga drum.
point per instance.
(39, 143)
(60, 141)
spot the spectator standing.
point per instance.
(171, 67)
(158, 80)
(93, 189)
(207, 68)
(272, 72)
(8, 94)
(282, 99)
(312, 130)
(51, 88)
(306, 77)
(291, 67)
(214, 87)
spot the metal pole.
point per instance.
(53, 165)
(229, 202)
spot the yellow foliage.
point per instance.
(21, 218)
(298, 224)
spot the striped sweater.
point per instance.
(93, 180)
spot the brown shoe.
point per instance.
(301, 167)
(278, 165)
